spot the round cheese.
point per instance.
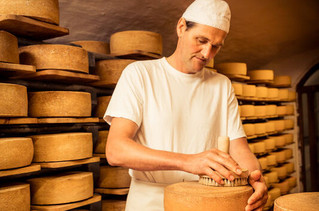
(271, 110)
(261, 75)
(292, 181)
(55, 57)
(102, 103)
(238, 88)
(259, 147)
(271, 160)
(15, 152)
(269, 144)
(290, 167)
(291, 96)
(247, 110)
(274, 193)
(280, 140)
(266, 181)
(280, 156)
(210, 64)
(249, 129)
(281, 81)
(288, 153)
(281, 110)
(272, 176)
(59, 104)
(283, 186)
(306, 201)
(114, 177)
(15, 196)
(260, 128)
(289, 124)
(290, 109)
(8, 47)
(94, 46)
(283, 94)
(263, 163)
(126, 41)
(289, 138)
(14, 100)
(281, 171)
(270, 127)
(232, 68)
(62, 147)
(113, 205)
(269, 203)
(111, 70)
(192, 196)
(249, 90)
(43, 10)
(261, 92)
(101, 142)
(279, 125)
(273, 93)
(260, 110)
(62, 188)
(251, 147)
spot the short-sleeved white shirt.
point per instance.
(174, 111)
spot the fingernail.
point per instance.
(238, 171)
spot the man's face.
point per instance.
(198, 45)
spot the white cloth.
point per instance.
(175, 112)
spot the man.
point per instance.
(167, 114)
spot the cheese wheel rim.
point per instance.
(8, 47)
(15, 196)
(232, 68)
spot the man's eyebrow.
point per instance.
(206, 39)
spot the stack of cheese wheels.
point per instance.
(307, 201)
(260, 111)
(247, 110)
(288, 153)
(291, 96)
(271, 110)
(279, 124)
(59, 104)
(272, 177)
(271, 160)
(15, 196)
(281, 81)
(280, 156)
(289, 138)
(270, 127)
(283, 186)
(292, 181)
(62, 147)
(57, 57)
(260, 128)
(101, 142)
(8, 47)
(281, 110)
(280, 140)
(94, 46)
(261, 92)
(263, 163)
(114, 177)
(281, 171)
(289, 124)
(249, 91)
(192, 196)
(111, 70)
(15, 152)
(283, 94)
(232, 68)
(249, 129)
(43, 10)
(128, 41)
(113, 205)
(259, 147)
(62, 188)
(273, 93)
(14, 100)
(102, 103)
(290, 109)
(274, 193)
(261, 75)
(269, 144)
(238, 88)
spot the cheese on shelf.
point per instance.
(272, 177)
(261, 92)
(279, 125)
(8, 47)
(263, 163)
(288, 153)
(113, 205)
(289, 138)
(283, 94)
(260, 110)
(251, 147)
(101, 142)
(281, 110)
(249, 129)
(94, 46)
(274, 193)
(291, 96)
(249, 90)
(238, 88)
(283, 186)
(280, 156)
(271, 160)
(247, 110)
(273, 93)
(15, 196)
(290, 167)
(281, 81)
(292, 181)
(102, 103)
(260, 128)
(306, 201)
(280, 140)
(281, 171)
(269, 144)
(270, 127)
(114, 177)
(261, 75)
(232, 68)
(290, 109)
(259, 147)
(289, 124)
(271, 110)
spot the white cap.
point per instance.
(215, 13)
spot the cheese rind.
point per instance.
(272, 176)
(281, 110)
(283, 186)
(260, 110)
(289, 124)
(270, 127)
(114, 177)
(291, 96)
(283, 94)
(271, 110)
(8, 47)
(281, 81)
(261, 92)
(15, 196)
(261, 75)
(113, 205)
(281, 171)
(260, 128)
(263, 163)
(273, 93)
(269, 144)
(232, 68)
(238, 88)
(249, 90)
(247, 110)
(94, 46)
(306, 201)
(101, 142)
(274, 193)
(249, 129)
(102, 103)
(271, 160)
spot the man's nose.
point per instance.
(206, 51)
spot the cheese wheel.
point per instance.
(126, 41)
(269, 144)
(271, 160)
(280, 140)
(114, 177)
(270, 127)
(57, 57)
(14, 100)
(15, 196)
(210, 63)
(259, 147)
(94, 46)
(261, 75)
(263, 163)
(238, 88)
(249, 90)
(232, 68)
(102, 103)
(269, 203)
(281, 110)
(247, 110)
(271, 110)
(251, 147)
(113, 205)
(261, 92)
(62, 188)
(281, 81)
(279, 125)
(260, 110)
(288, 153)
(59, 104)
(274, 193)
(281, 171)
(8, 47)
(289, 138)
(260, 128)
(273, 93)
(280, 156)
(289, 124)
(292, 181)
(111, 70)
(267, 181)
(249, 129)
(291, 96)
(272, 176)
(15, 152)
(43, 10)
(290, 167)
(290, 109)
(101, 142)
(307, 201)
(62, 147)
(192, 196)
(283, 186)
(283, 94)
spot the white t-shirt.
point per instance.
(174, 111)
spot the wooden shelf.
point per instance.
(60, 120)
(62, 164)
(259, 82)
(94, 199)
(22, 170)
(30, 28)
(103, 84)
(112, 191)
(9, 69)
(136, 55)
(239, 78)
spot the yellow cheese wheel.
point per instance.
(249, 129)
(290, 167)
(232, 68)
(283, 94)
(14, 100)
(251, 147)
(101, 142)
(267, 181)
(8, 47)
(271, 110)
(62, 188)
(272, 177)
(280, 140)
(260, 110)
(279, 125)
(43, 10)
(59, 104)
(210, 64)
(192, 196)
(15, 152)
(274, 193)
(291, 96)
(94, 46)
(249, 90)
(113, 205)
(15, 196)
(271, 160)
(281, 81)
(307, 201)
(288, 153)
(270, 127)
(238, 88)
(263, 163)
(261, 92)
(114, 177)
(62, 147)
(283, 186)
(126, 41)
(281, 171)
(280, 156)
(259, 147)
(111, 70)
(55, 57)
(290, 109)
(102, 103)
(269, 144)
(281, 110)
(261, 75)
(289, 138)
(289, 124)
(247, 110)
(273, 93)
(260, 128)
(292, 181)
(269, 203)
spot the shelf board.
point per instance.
(259, 81)
(237, 77)
(30, 28)
(112, 191)
(103, 84)
(136, 55)
(9, 69)
(63, 164)
(94, 199)
(22, 170)
(18, 121)
(58, 120)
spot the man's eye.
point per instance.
(201, 41)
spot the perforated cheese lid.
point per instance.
(307, 201)
(15, 196)
(101, 142)
(8, 47)
(102, 103)
(94, 46)
(232, 68)
(261, 75)
(114, 177)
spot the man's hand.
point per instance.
(259, 198)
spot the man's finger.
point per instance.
(227, 161)
(258, 204)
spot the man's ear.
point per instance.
(181, 27)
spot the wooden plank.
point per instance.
(237, 77)
(18, 171)
(60, 120)
(112, 191)
(63, 164)
(103, 84)
(99, 155)
(136, 55)
(94, 199)
(259, 81)
(9, 69)
(30, 28)
(17, 121)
